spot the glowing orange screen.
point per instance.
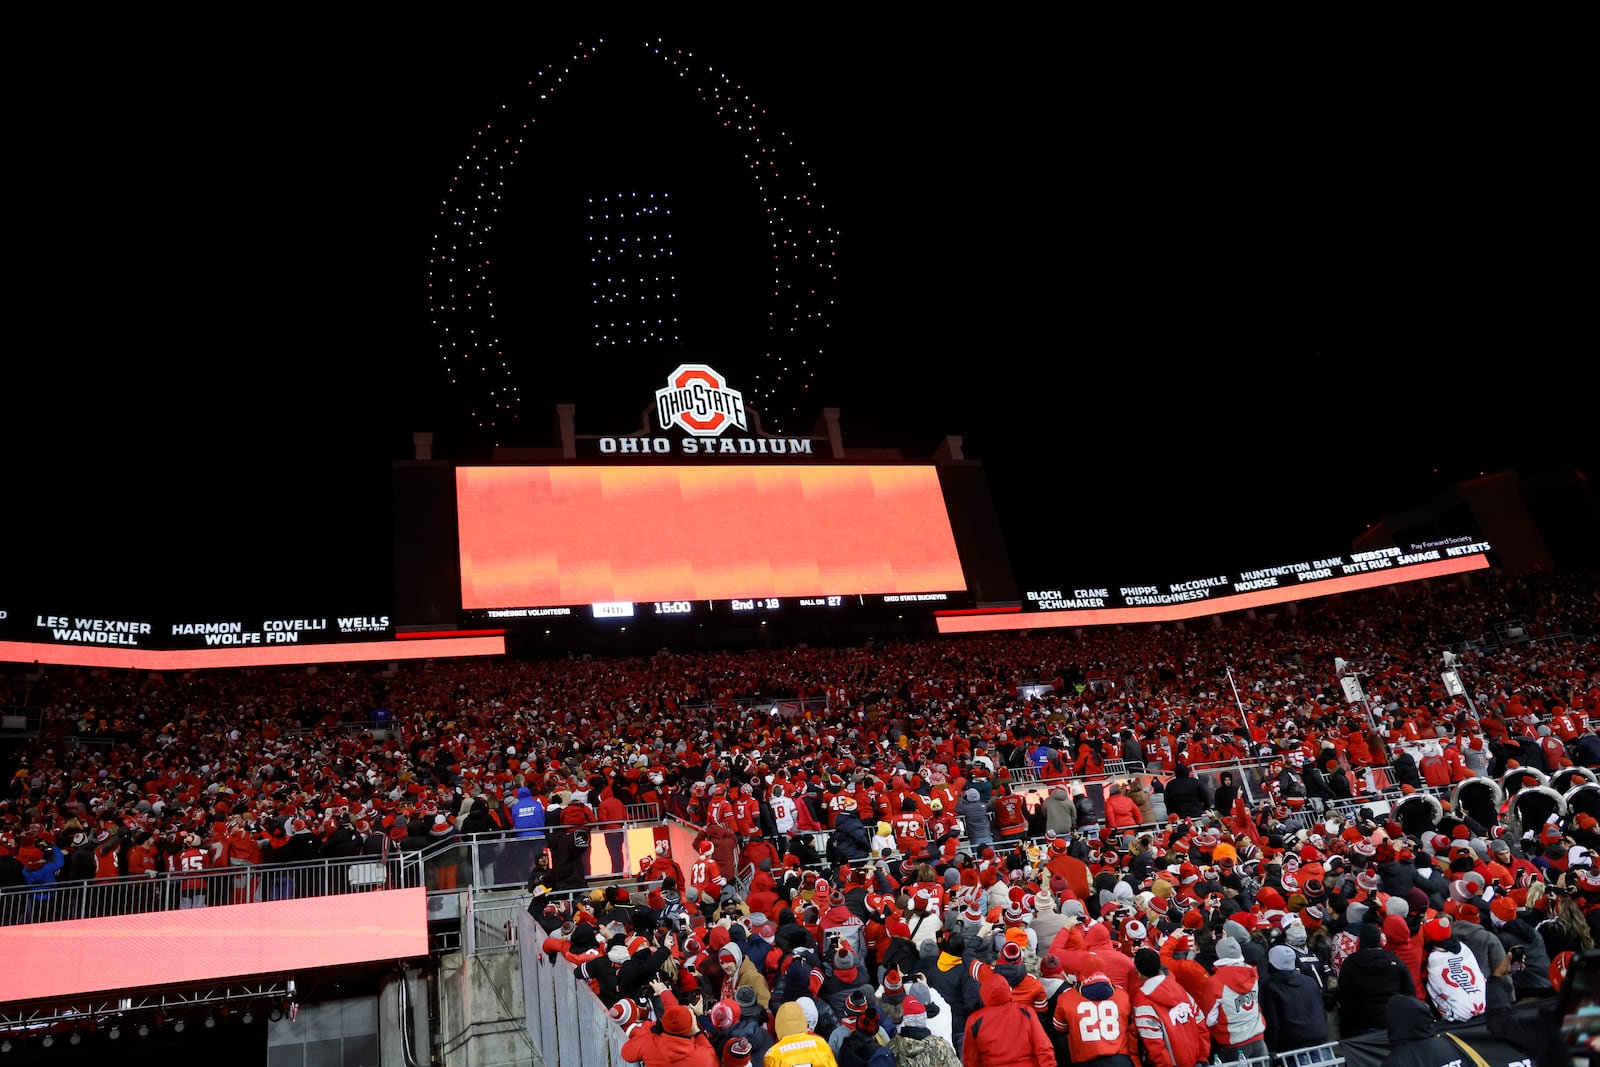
(551, 536)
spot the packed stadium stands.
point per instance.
(139, 794)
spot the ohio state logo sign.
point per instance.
(698, 401)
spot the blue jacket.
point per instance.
(45, 875)
(851, 837)
(527, 814)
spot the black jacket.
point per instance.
(342, 842)
(1369, 977)
(1316, 967)
(81, 865)
(1187, 797)
(800, 847)
(478, 820)
(960, 989)
(901, 954)
(566, 860)
(1397, 877)
(1292, 1005)
(1227, 792)
(603, 973)
(1413, 1041)
(1404, 769)
(752, 1026)
(1534, 978)
(634, 977)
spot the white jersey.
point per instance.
(1456, 987)
(784, 814)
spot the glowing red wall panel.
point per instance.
(211, 944)
(951, 623)
(552, 536)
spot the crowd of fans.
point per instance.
(946, 917)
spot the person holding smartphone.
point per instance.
(1529, 967)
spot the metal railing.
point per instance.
(484, 861)
(491, 924)
(1328, 1054)
(1114, 768)
(214, 887)
(489, 921)
(566, 1024)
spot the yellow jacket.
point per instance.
(796, 1045)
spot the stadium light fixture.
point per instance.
(247, 1017)
(115, 1032)
(177, 1026)
(75, 1038)
(211, 1022)
(144, 1029)
(5, 1045)
(49, 1039)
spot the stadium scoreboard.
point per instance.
(685, 541)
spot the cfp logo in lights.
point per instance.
(697, 400)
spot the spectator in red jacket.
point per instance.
(1003, 1033)
(1397, 938)
(1088, 762)
(674, 1040)
(1166, 1017)
(1122, 813)
(611, 814)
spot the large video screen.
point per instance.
(547, 537)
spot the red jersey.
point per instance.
(836, 803)
(190, 859)
(106, 863)
(705, 874)
(720, 811)
(1568, 725)
(910, 833)
(1011, 815)
(936, 897)
(746, 813)
(923, 809)
(1096, 1027)
(143, 860)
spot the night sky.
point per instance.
(1193, 314)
